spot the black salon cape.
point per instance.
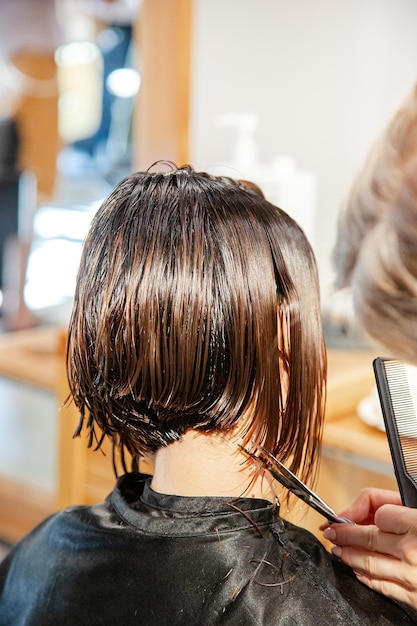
(151, 559)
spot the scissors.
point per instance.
(289, 480)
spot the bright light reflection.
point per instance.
(52, 272)
(124, 82)
(66, 223)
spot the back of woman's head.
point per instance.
(197, 307)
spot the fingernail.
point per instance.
(337, 551)
(330, 534)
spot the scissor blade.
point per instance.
(290, 481)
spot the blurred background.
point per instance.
(288, 94)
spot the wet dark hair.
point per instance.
(196, 307)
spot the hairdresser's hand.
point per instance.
(382, 546)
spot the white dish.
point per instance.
(369, 411)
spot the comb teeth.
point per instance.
(404, 412)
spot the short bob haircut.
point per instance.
(197, 307)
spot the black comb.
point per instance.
(395, 380)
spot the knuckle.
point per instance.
(370, 565)
(384, 587)
(372, 539)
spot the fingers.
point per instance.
(386, 574)
(375, 566)
(369, 538)
(383, 553)
(397, 519)
(389, 588)
(362, 510)
(383, 573)
(394, 533)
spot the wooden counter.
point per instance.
(32, 356)
(350, 380)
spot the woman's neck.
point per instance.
(208, 465)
